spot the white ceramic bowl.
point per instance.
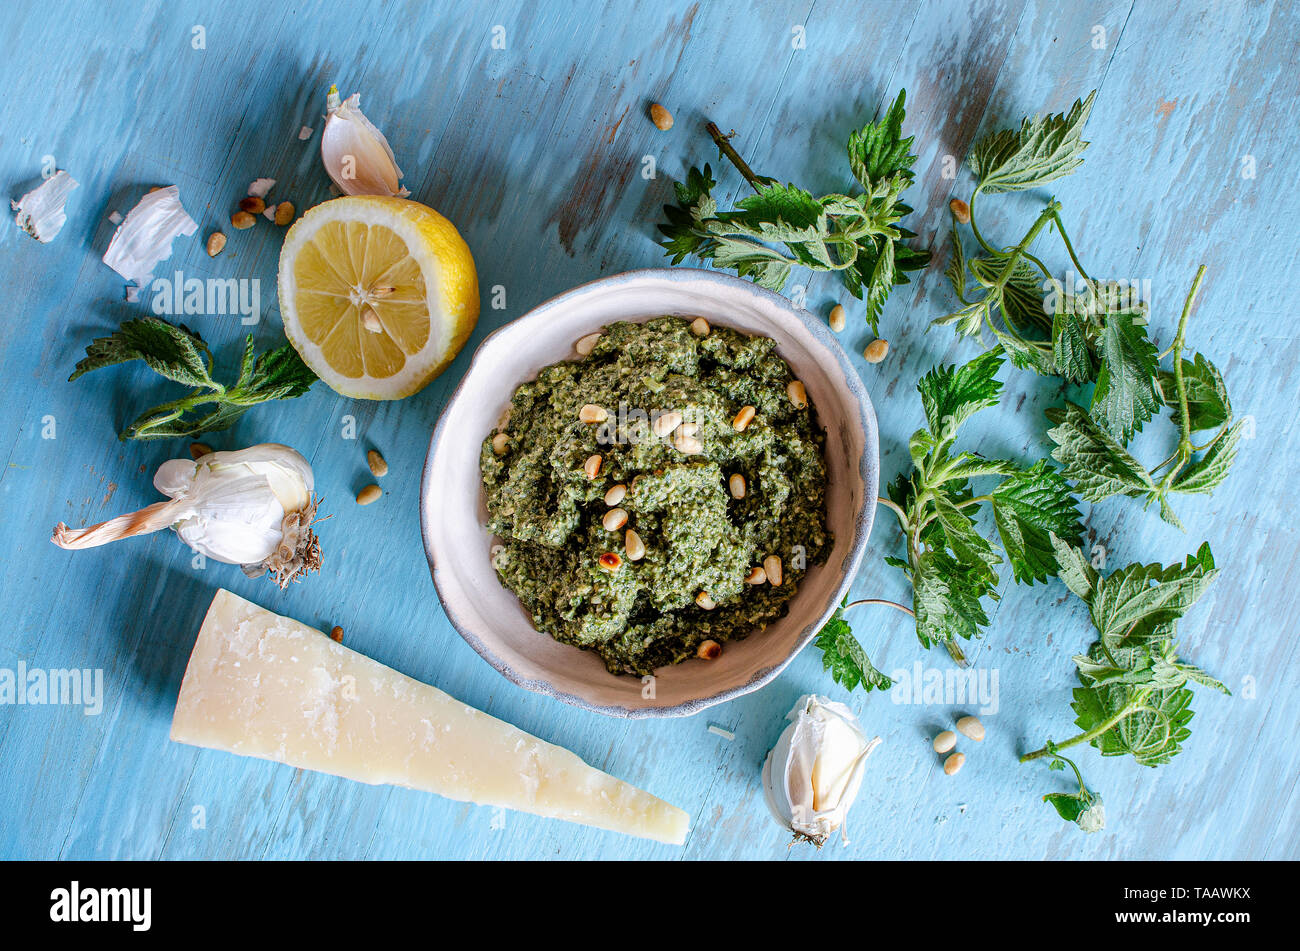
(453, 514)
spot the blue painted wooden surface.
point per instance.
(535, 152)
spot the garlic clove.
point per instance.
(355, 153)
(40, 211)
(812, 776)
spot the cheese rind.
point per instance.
(263, 685)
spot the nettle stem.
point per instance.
(1135, 703)
(893, 604)
(1180, 386)
(724, 144)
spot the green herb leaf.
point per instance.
(1092, 459)
(844, 657)
(951, 395)
(878, 151)
(1042, 150)
(946, 597)
(1207, 396)
(178, 354)
(1207, 473)
(1031, 508)
(1126, 394)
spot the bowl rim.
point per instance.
(868, 466)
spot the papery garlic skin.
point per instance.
(40, 211)
(355, 153)
(237, 500)
(145, 237)
(813, 774)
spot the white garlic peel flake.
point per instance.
(356, 155)
(40, 211)
(145, 237)
(813, 774)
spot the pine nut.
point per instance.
(241, 220)
(252, 204)
(615, 494)
(609, 562)
(665, 423)
(216, 241)
(798, 394)
(687, 445)
(198, 450)
(743, 419)
(837, 318)
(378, 465)
(772, 565)
(500, 442)
(370, 493)
(700, 327)
(876, 351)
(945, 741)
(592, 465)
(756, 576)
(704, 601)
(591, 413)
(708, 650)
(954, 763)
(284, 213)
(633, 545)
(971, 726)
(614, 519)
(661, 117)
(336, 634)
(960, 210)
(586, 344)
(737, 486)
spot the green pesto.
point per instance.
(547, 511)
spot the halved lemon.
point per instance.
(378, 294)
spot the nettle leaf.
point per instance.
(878, 151)
(1152, 732)
(956, 269)
(1072, 356)
(1044, 149)
(844, 657)
(171, 351)
(1031, 508)
(951, 395)
(1207, 396)
(1074, 569)
(1126, 394)
(1092, 459)
(946, 597)
(1132, 602)
(880, 284)
(1207, 473)
(967, 545)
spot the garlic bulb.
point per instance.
(253, 507)
(812, 775)
(355, 153)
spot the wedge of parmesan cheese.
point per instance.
(263, 685)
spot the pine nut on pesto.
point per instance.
(692, 545)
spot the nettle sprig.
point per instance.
(1098, 336)
(858, 237)
(1135, 696)
(950, 563)
(180, 354)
